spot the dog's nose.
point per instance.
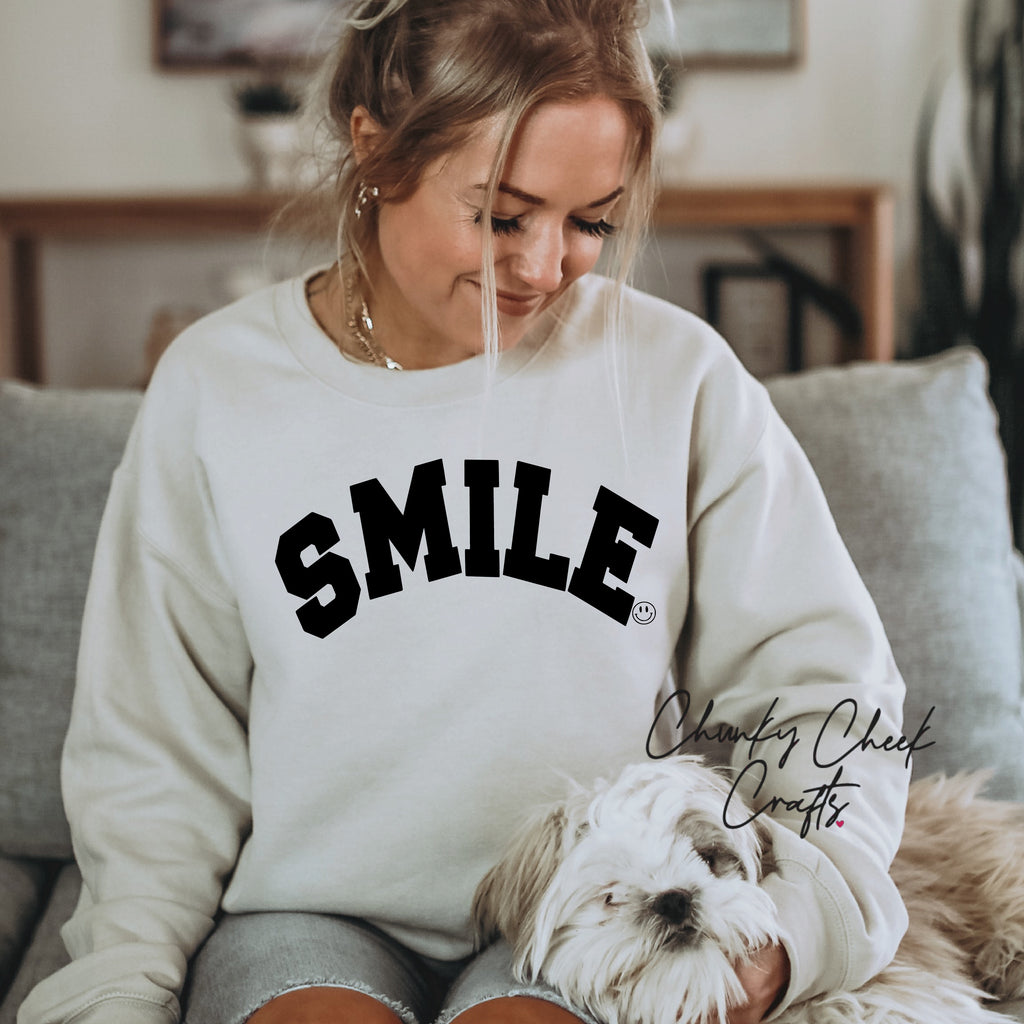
(674, 905)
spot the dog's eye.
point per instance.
(608, 899)
(710, 855)
(721, 860)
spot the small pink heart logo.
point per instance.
(840, 823)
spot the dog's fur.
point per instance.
(634, 901)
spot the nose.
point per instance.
(538, 261)
(674, 906)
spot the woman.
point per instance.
(365, 590)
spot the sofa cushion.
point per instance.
(45, 953)
(23, 888)
(58, 450)
(909, 457)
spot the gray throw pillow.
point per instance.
(58, 450)
(910, 460)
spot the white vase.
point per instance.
(676, 147)
(274, 145)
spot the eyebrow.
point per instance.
(532, 200)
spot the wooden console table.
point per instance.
(859, 217)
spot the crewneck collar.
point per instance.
(375, 385)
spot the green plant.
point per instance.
(266, 98)
(971, 240)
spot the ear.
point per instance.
(764, 838)
(365, 132)
(506, 900)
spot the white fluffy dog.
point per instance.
(634, 901)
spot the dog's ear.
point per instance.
(506, 899)
(764, 839)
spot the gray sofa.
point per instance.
(907, 453)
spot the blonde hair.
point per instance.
(429, 71)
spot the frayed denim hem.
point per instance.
(451, 1015)
(395, 1006)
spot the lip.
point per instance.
(514, 304)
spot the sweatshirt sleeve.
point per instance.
(155, 765)
(786, 643)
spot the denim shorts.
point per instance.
(250, 959)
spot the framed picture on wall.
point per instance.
(758, 311)
(237, 34)
(204, 35)
(728, 33)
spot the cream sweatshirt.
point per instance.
(346, 627)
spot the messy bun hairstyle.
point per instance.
(428, 71)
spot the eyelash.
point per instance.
(511, 225)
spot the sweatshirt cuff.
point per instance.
(833, 942)
(125, 1010)
(807, 925)
(114, 1009)
(103, 988)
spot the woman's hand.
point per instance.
(764, 978)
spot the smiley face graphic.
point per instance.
(644, 613)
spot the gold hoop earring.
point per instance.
(366, 193)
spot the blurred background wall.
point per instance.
(85, 111)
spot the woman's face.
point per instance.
(555, 204)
